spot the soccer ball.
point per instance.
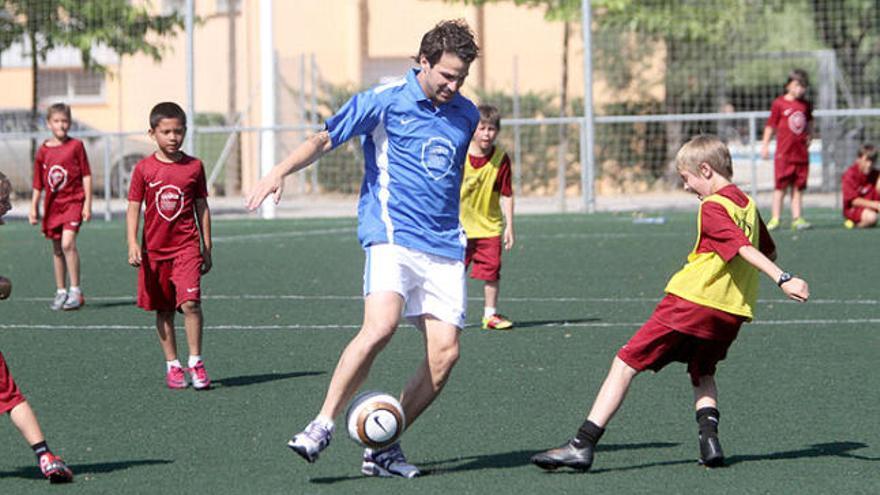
(5, 287)
(375, 419)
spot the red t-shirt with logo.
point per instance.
(59, 172)
(791, 119)
(854, 184)
(169, 191)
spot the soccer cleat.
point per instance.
(55, 469)
(75, 300)
(387, 462)
(58, 302)
(773, 224)
(311, 441)
(711, 454)
(800, 224)
(199, 377)
(849, 224)
(497, 322)
(175, 378)
(566, 455)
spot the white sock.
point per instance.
(61, 291)
(170, 364)
(488, 311)
(194, 360)
(325, 422)
(74, 288)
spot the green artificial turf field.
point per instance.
(799, 391)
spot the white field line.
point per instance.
(310, 297)
(564, 324)
(272, 235)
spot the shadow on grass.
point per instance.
(239, 381)
(33, 472)
(501, 460)
(110, 304)
(553, 323)
(830, 449)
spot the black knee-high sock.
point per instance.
(707, 419)
(588, 435)
(40, 449)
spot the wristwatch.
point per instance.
(783, 278)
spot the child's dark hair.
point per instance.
(800, 76)
(58, 108)
(490, 115)
(166, 110)
(868, 151)
(454, 36)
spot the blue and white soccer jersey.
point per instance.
(430, 284)
(414, 155)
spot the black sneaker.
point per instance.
(566, 455)
(711, 454)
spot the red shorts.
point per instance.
(655, 345)
(486, 255)
(789, 173)
(10, 396)
(854, 213)
(59, 219)
(164, 285)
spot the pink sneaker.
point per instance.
(54, 469)
(199, 377)
(175, 379)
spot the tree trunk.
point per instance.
(35, 98)
(232, 176)
(562, 151)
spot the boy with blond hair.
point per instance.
(706, 302)
(487, 212)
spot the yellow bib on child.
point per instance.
(708, 280)
(480, 202)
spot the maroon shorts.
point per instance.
(655, 345)
(10, 396)
(486, 256)
(789, 173)
(59, 219)
(164, 285)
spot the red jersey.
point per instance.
(502, 181)
(59, 170)
(169, 191)
(791, 119)
(718, 233)
(854, 184)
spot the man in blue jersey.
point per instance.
(415, 134)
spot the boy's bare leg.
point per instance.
(869, 218)
(490, 293)
(71, 255)
(797, 198)
(441, 354)
(59, 264)
(706, 393)
(612, 393)
(381, 315)
(165, 330)
(778, 198)
(25, 420)
(192, 320)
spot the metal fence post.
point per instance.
(108, 214)
(588, 166)
(753, 128)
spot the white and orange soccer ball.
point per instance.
(375, 419)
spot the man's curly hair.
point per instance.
(452, 36)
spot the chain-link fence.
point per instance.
(663, 70)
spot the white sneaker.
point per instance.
(311, 441)
(75, 300)
(389, 461)
(58, 302)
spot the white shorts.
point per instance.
(429, 284)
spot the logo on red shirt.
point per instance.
(57, 177)
(169, 202)
(797, 122)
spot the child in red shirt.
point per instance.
(791, 116)
(14, 403)
(706, 303)
(176, 249)
(61, 167)
(861, 200)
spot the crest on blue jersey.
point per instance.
(438, 156)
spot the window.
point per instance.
(223, 6)
(173, 7)
(70, 85)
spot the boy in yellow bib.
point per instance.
(706, 303)
(487, 212)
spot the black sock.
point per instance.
(588, 434)
(40, 449)
(707, 418)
